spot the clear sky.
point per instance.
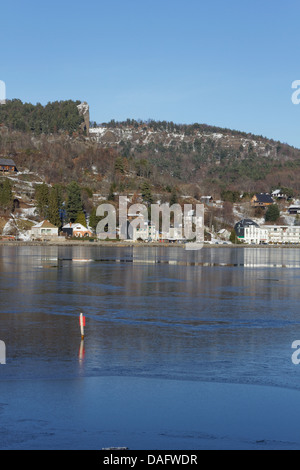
(225, 63)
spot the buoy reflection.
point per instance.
(81, 354)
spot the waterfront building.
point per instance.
(272, 234)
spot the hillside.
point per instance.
(56, 145)
(55, 142)
(213, 158)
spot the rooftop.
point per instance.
(44, 224)
(264, 198)
(246, 223)
(7, 161)
(75, 226)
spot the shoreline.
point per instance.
(134, 245)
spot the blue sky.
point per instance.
(225, 63)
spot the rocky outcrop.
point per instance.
(84, 110)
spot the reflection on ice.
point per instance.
(213, 314)
(226, 315)
(246, 257)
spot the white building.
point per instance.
(224, 234)
(44, 230)
(279, 194)
(76, 230)
(282, 234)
(145, 231)
(294, 209)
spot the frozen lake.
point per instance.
(183, 350)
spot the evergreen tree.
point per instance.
(174, 197)
(233, 238)
(94, 220)
(53, 209)
(42, 200)
(146, 193)
(111, 195)
(80, 219)
(60, 195)
(74, 201)
(273, 213)
(59, 190)
(6, 196)
(119, 165)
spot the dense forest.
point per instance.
(50, 119)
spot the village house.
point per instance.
(278, 194)
(207, 200)
(143, 231)
(242, 225)
(44, 230)
(76, 230)
(294, 209)
(7, 165)
(255, 235)
(224, 234)
(262, 200)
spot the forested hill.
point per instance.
(55, 143)
(37, 119)
(212, 157)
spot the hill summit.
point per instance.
(58, 143)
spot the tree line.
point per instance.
(170, 126)
(55, 117)
(60, 204)
(6, 196)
